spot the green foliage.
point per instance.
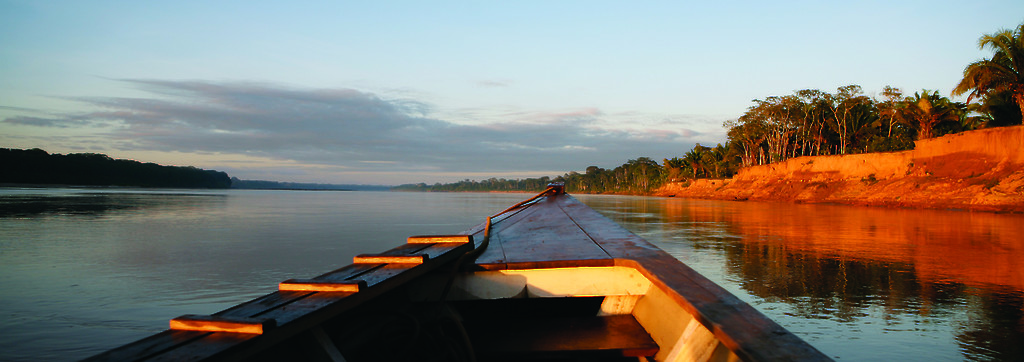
(812, 122)
(998, 109)
(931, 112)
(36, 166)
(492, 184)
(1002, 75)
(638, 176)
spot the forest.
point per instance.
(813, 122)
(277, 185)
(37, 167)
(639, 176)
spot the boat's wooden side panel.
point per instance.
(550, 338)
(684, 338)
(153, 345)
(213, 345)
(748, 333)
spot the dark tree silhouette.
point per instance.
(36, 166)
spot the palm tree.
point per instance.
(929, 110)
(695, 158)
(1003, 73)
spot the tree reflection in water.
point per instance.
(95, 204)
(919, 268)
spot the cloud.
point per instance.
(359, 131)
(494, 83)
(63, 122)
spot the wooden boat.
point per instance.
(548, 278)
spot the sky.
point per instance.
(394, 92)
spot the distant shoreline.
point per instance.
(18, 185)
(979, 170)
(70, 186)
(64, 186)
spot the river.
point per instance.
(85, 270)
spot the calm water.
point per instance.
(82, 271)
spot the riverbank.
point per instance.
(978, 170)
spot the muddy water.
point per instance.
(859, 283)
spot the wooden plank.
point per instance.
(548, 238)
(209, 323)
(390, 259)
(274, 300)
(212, 347)
(315, 285)
(433, 251)
(610, 236)
(406, 249)
(348, 272)
(618, 335)
(296, 312)
(433, 239)
(494, 258)
(149, 346)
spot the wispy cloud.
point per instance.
(358, 131)
(493, 83)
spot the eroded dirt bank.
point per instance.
(977, 170)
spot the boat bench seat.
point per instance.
(562, 337)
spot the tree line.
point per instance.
(639, 176)
(38, 167)
(813, 122)
(237, 183)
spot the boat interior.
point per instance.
(559, 314)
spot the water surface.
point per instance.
(85, 270)
(858, 283)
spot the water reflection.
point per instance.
(915, 273)
(85, 270)
(27, 203)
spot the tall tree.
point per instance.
(929, 109)
(890, 108)
(814, 112)
(780, 115)
(851, 110)
(749, 132)
(1003, 73)
(714, 160)
(695, 159)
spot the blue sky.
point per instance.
(400, 92)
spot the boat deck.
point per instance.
(560, 231)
